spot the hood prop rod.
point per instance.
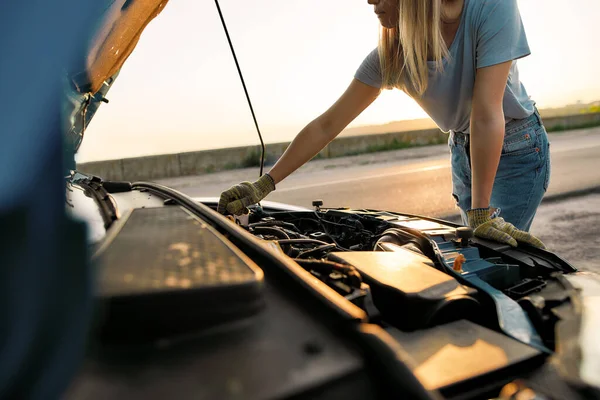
(262, 143)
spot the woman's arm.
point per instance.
(487, 130)
(317, 134)
(487, 137)
(305, 146)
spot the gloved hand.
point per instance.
(235, 199)
(495, 228)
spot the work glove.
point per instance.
(488, 226)
(235, 199)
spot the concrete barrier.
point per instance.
(571, 121)
(207, 161)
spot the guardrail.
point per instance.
(207, 161)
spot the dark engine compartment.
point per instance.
(366, 259)
(323, 303)
(343, 249)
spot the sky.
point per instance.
(179, 91)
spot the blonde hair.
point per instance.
(403, 50)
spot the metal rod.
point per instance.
(262, 143)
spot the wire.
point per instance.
(302, 241)
(332, 238)
(281, 224)
(316, 250)
(274, 231)
(262, 143)
(321, 222)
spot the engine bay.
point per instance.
(405, 271)
(172, 270)
(415, 273)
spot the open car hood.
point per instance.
(114, 38)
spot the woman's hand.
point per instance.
(238, 197)
(488, 226)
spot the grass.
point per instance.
(251, 160)
(230, 165)
(393, 145)
(563, 128)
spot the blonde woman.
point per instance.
(457, 59)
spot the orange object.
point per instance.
(458, 263)
(117, 37)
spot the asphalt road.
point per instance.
(413, 180)
(571, 229)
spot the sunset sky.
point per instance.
(179, 90)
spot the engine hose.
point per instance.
(399, 238)
(273, 231)
(316, 250)
(275, 223)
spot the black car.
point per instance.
(322, 303)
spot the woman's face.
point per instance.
(387, 12)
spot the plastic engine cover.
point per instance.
(409, 291)
(164, 272)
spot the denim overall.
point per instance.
(523, 173)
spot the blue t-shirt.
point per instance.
(490, 32)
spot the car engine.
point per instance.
(285, 288)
